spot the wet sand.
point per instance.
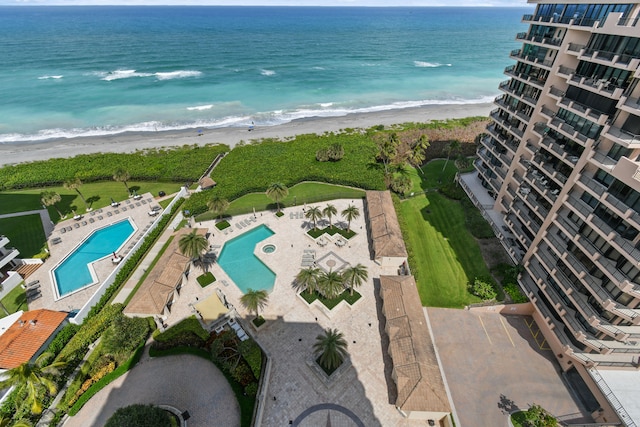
(20, 152)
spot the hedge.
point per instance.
(126, 366)
(132, 263)
(181, 164)
(252, 168)
(189, 325)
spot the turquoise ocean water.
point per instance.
(83, 71)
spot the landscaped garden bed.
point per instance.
(331, 231)
(206, 279)
(330, 303)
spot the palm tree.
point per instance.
(354, 276)
(330, 348)
(122, 175)
(277, 191)
(34, 376)
(50, 198)
(350, 213)
(417, 154)
(330, 284)
(193, 244)
(254, 300)
(329, 212)
(218, 205)
(313, 213)
(451, 147)
(74, 184)
(307, 278)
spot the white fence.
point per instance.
(82, 313)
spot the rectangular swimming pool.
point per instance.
(243, 267)
(75, 271)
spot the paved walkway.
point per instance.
(186, 382)
(44, 217)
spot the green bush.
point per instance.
(251, 389)
(189, 327)
(222, 225)
(181, 164)
(102, 383)
(89, 332)
(483, 288)
(291, 162)
(124, 334)
(206, 279)
(62, 338)
(253, 355)
(132, 262)
(514, 292)
(139, 416)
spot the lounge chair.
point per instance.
(56, 240)
(34, 296)
(109, 214)
(124, 209)
(117, 211)
(100, 217)
(91, 220)
(290, 215)
(84, 223)
(64, 230)
(225, 232)
(128, 201)
(92, 213)
(144, 202)
(138, 204)
(69, 228)
(33, 283)
(76, 225)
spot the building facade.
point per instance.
(561, 160)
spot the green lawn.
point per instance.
(444, 256)
(14, 301)
(305, 192)
(25, 233)
(97, 194)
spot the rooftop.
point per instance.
(383, 222)
(22, 340)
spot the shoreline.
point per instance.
(20, 152)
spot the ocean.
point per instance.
(87, 71)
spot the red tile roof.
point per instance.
(24, 338)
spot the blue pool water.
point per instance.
(73, 273)
(242, 266)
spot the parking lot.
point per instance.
(495, 364)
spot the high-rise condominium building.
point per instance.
(561, 160)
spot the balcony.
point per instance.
(509, 141)
(569, 131)
(7, 255)
(603, 161)
(559, 150)
(539, 40)
(583, 111)
(610, 59)
(524, 214)
(599, 86)
(621, 208)
(621, 244)
(565, 72)
(630, 105)
(506, 87)
(517, 55)
(621, 136)
(592, 185)
(581, 208)
(506, 124)
(531, 78)
(519, 113)
(516, 228)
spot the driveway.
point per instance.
(493, 366)
(186, 382)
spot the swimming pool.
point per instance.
(75, 272)
(242, 266)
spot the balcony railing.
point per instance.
(531, 78)
(539, 39)
(495, 115)
(518, 55)
(622, 136)
(584, 110)
(569, 130)
(604, 161)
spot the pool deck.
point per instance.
(365, 388)
(135, 210)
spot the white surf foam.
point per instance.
(49, 77)
(180, 74)
(267, 72)
(424, 64)
(200, 107)
(122, 74)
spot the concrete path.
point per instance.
(186, 382)
(44, 217)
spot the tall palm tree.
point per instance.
(330, 348)
(354, 276)
(193, 244)
(277, 191)
(417, 154)
(350, 213)
(218, 205)
(451, 147)
(34, 376)
(329, 212)
(74, 184)
(330, 284)
(122, 175)
(255, 300)
(307, 278)
(313, 213)
(50, 198)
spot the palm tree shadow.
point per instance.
(133, 188)
(91, 200)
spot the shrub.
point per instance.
(206, 279)
(124, 334)
(180, 164)
(514, 292)
(190, 324)
(322, 155)
(139, 416)
(483, 288)
(251, 389)
(253, 355)
(401, 184)
(62, 338)
(335, 152)
(222, 225)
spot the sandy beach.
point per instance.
(20, 152)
